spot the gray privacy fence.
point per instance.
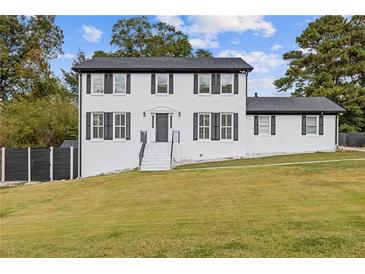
(352, 139)
(38, 164)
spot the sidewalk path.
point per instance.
(277, 164)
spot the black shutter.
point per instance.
(171, 83)
(88, 125)
(88, 84)
(236, 84)
(128, 88)
(213, 84)
(218, 83)
(153, 83)
(235, 126)
(256, 125)
(128, 125)
(304, 120)
(108, 83)
(195, 126)
(273, 125)
(321, 125)
(108, 125)
(196, 84)
(217, 126)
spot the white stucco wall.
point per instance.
(289, 138)
(111, 155)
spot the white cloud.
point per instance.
(67, 56)
(206, 29)
(276, 47)
(261, 61)
(264, 83)
(235, 41)
(91, 33)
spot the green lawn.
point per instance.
(311, 210)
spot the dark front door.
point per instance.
(162, 127)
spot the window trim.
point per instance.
(221, 126)
(114, 126)
(102, 126)
(210, 83)
(306, 125)
(221, 84)
(269, 131)
(209, 126)
(168, 84)
(125, 84)
(92, 84)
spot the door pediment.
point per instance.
(162, 109)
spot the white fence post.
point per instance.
(71, 162)
(29, 166)
(3, 164)
(51, 163)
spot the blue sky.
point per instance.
(259, 40)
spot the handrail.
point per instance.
(143, 136)
(172, 143)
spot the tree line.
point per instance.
(37, 108)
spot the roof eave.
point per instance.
(294, 112)
(161, 69)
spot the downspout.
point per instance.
(80, 125)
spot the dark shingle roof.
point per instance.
(69, 143)
(163, 63)
(287, 105)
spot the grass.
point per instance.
(310, 210)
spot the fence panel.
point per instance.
(75, 163)
(40, 163)
(16, 164)
(61, 163)
(352, 139)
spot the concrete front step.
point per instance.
(156, 157)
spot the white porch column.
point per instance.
(3, 164)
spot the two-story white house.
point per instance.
(154, 112)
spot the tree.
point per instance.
(44, 121)
(330, 62)
(138, 37)
(203, 53)
(27, 44)
(71, 78)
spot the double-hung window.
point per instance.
(204, 83)
(162, 83)
(98, 83)
(119, 83)
(119, 126)
(204, 126)
(264, 125)
(311, 125)
(226, 126)
(227, 83)
(98, 125)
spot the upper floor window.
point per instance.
(226, 126)
(204, 83)
(204, 126)
(119, 126)
(98, 125)
(311, 125)
(264, 125)
(98, 83)
(227, 83)
(162, 83)
(119, 83)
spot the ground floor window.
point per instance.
(226, 126)
(264, 125)
(311, 125)
(120, 127)
(98, 125)
(204, 126)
